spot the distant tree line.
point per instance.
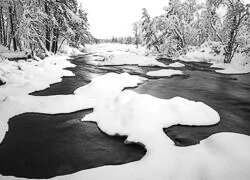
(42, 25)
(120, 40)
(187, 23)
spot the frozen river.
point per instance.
(43, 146)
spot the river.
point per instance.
(44, 146)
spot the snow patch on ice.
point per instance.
(176, 65)
(164, 72)
(83, 98)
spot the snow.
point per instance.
(83, 98)
(164, 72)
(240, 63)
(112, 47)
(4, 52)
(70, 51)
(23, 77)
(118, 54)
(176, 65)
(140, 117)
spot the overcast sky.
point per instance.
(109, 18)
(115, 17)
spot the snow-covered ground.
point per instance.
(23, 77)
(141, 117)
(118, 54)
(5, 53)
(240, 63)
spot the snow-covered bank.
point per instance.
(23, 77)
(71, 51)
(212, 52)
(118, 54)
(6, 53)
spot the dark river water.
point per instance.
(43, 146)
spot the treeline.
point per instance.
(187, 23)
(42, 25)
(120, 40)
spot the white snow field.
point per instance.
(141, 117)
(164, 72)
(118, 54)
(240, 63)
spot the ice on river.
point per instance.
(164, 72)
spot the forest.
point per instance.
(189, 23)
(42, 26)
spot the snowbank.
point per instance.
(212, 52)
(70, 51)
(23, 77)
(6, 53)
(164, 72)
(117, 54)
(16, 95)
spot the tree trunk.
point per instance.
(231, 48)
(43, 46)
(12, 24)
(55, 40)
(16, 23)
(61, 43)
(48, 30)
(1, 29)
(4, 37)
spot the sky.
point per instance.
(108, 18)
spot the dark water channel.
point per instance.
(43, 146)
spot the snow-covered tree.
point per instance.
(232, 25)
(42, 24)
(137, 33)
